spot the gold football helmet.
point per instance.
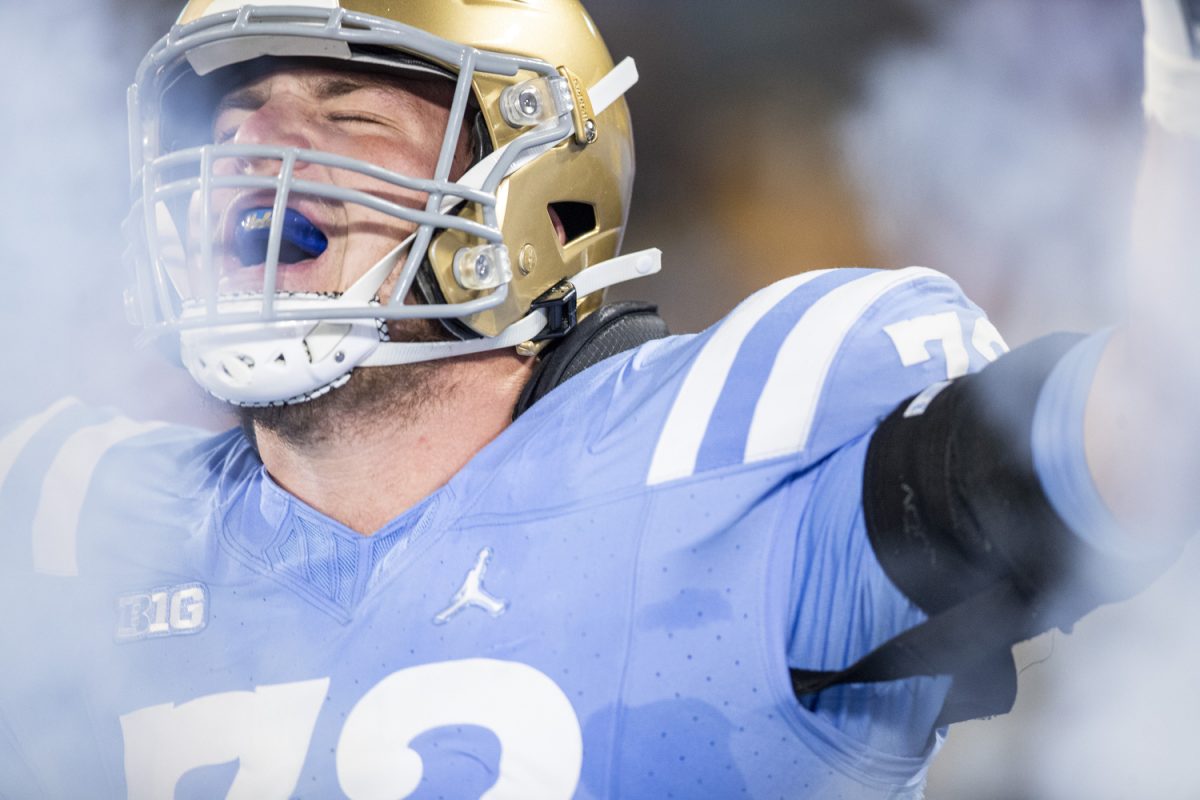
(508, 254)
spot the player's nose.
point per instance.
(280, 122)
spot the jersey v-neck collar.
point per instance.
(330, 565)
(320, 559)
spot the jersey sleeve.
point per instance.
(29, 449)
(844, 606)
(86, 495)
(899, 337)
(75, 479)
(808, 364)
(795, 380)
(880, 340)
(797, 377)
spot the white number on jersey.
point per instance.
(268, 732)
(912, 336)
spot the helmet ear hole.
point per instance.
(572, 220)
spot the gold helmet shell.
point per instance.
(589, 182)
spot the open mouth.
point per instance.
(301, 240)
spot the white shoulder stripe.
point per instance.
(56, 522)
(12, 444)
(784, 415)
(683, 433)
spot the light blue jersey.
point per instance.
(603, 603)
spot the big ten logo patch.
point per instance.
(162, 611)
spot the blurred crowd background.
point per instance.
(995, 140)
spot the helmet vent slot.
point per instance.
(576, 219)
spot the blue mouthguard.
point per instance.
(301, 239)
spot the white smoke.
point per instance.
(1003, 151)
(62, 198)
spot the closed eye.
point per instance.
(352, 118)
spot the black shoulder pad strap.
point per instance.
(611, 329)
(985, 676)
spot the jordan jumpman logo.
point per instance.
(472, 593)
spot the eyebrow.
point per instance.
(249, 98)
(246, 98)
(327, 88)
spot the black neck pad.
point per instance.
(612, 329)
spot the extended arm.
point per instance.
(1142, 425)
(1064, 475)
(1104, 430)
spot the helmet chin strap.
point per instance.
(280, 363)
(596, 277)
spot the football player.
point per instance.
(481, 534)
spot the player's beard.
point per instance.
(397, 394)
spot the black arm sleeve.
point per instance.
(950, 496)
(953, 503)
(958, 520)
